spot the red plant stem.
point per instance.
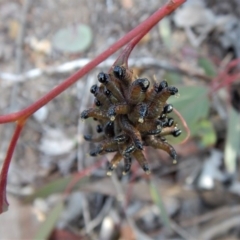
(227, 81)
(144, 26)
(6, 163)
(234, 63)
(123, 58)
(226, 77)
(184, 125)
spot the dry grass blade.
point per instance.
(48, 225)
(233, 141)
(157, 199)
(221, 228)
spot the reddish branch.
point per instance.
(184, 125)
(229, 75)
(133, 37)
(6, 163)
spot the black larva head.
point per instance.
(102, 77)
(164, 121)
(159, 123)
(119, 72)
(99, 128)
(97, 102)
(94, 152)
(177, 133)
(138, 144)
(111, 111)
(129, 150)
(84, 114)
(144, 83)
(143, 110)
(109, 129)
(154, 132)
(146, 168)
(107, 93)
(110, 167)
(88, 137)
(127, 167)
(162, 85)
(173, 90)
(94, 88)
(167, 108)
(121, 138)
(170, 122)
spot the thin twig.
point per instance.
(21, 35)
(19, 51)
(121, 198)
(86, 214)
(180, 231)
(221, 228)
(68, 67)
(81, 150)
(99, 218)
(184, 125)
(225, 211)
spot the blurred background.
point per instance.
(55, 190)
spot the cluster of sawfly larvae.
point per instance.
(131, 116)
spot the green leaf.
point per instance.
(173, 78)
(233, 141)
(74, 39)
(48, 225)
(208, 66)
(193, 103)
(56, 186)
(157, 199)
(204, 129)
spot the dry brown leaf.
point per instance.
(19, 222)
(145, 39)
(13, 29)
(41, 46)
(127, 4)
(127, 232)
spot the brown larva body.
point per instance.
(137, 91)
(102, 98)
(159, 101)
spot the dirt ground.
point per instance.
(55, 189)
